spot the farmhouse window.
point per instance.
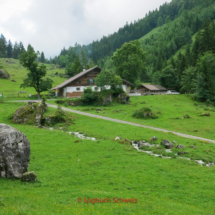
(90, 81)
(78, 89)
(78, 82)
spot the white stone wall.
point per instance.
(74, 89)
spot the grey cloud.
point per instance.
(58, 24)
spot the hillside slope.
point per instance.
(165, 42)
(18, 73)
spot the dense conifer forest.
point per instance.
(177, 39)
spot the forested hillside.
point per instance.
(161, 32)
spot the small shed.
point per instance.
(149, 89)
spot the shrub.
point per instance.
(89, 97)
(10, 116)
(60, 115)
(66, 104)
(60, 101)
(117, 91)
(144, 113)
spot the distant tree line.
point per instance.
(9, 50)
(74, 60)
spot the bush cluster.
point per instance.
(144, 113)
(89, 97)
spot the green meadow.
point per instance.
(19, 73)
(170, 109)
(69, 168)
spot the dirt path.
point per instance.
(131, 123)
(124, 122)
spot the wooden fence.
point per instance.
(20, 94)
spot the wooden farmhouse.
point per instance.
(149, 89)
(74, 87)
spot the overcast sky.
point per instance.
(50, 25)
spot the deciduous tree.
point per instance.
(129, 60)
(36, 72)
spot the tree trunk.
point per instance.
(38, 93)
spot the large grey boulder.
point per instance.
(4, 74)
(14, 152)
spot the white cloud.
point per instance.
(49, 25)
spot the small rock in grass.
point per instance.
(135, 142)
(174, 142)
(77, 141)
(206, 114)
(169, 145)
(98, 109)
(194, 147)
(154, 138)
(28, 177)
(180, 147)
(165, 142)
(182, 153)
(117, 138)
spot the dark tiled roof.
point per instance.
(153, 87)
(75, 77)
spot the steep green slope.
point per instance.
(167, 41)
(18, 73)
(167, 12)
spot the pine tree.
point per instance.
(42, 58)
(15, 51)
(167, 20)
(159, 22)
(83, 58)
(3, 46)
(9, 49)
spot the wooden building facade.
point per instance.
(149, 89)
(74, 87)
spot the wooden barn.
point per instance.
(74, 87)
(149, 89)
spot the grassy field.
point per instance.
(19, 73)
(68, 169)
(170, 110)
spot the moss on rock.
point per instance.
(31, 113)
